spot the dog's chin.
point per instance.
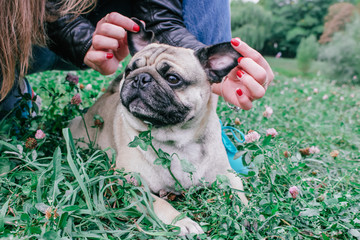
(141, 110)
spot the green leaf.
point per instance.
(310, 212)
(323, 235)
(25, 217)
(50, 235)
(4, 166)
(74, 169)
(56, 163)
(71, 208)
(3, 213)
(355, 233)
(137, 142)
(63, 220)
(187, 166)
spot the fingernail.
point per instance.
(240, 58)
(136, 28)
(235, 41)
(239, 92)
(109, 55)
(239, 73)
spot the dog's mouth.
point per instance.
(153, 104)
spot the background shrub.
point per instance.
(342, 54)
(306, 53)
(251, 22)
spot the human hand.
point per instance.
(248, 81)
(109, 43)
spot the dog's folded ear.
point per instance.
(138, 40)
(218, 60)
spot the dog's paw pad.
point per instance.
(188, 226)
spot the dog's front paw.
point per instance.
(188, 226)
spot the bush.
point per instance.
(342, 54)
(306, 53)
(251, 22)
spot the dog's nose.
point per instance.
(142, 80)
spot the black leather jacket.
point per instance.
(72, 39)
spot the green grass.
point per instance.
(82, 186)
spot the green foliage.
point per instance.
(342, 54)
(306, 53)
(251, 22)
(294, 20)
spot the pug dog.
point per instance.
(170, 88)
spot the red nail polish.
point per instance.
(239, 73)
(240, 58)
(235, 42)
(136, 28)
(239, 92)
(109, 55)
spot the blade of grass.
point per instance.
(70, 143)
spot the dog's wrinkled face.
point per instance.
(163, 84)
(167, 85)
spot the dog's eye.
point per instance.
(173, 80)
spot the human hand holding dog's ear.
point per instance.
(248, 81)
(109, 43)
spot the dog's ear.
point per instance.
(218, 60)
(138, 40)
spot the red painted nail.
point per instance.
(136, 28)
(235, 42)
(239, 73)
(109, 55)
(240, 58)
(239, 92)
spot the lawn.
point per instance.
(55, 190)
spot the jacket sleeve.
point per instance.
(70, 38)
(164, 18)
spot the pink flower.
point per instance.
(309, 98)
(268, 112)
(272, 132)
(39, 134)
(354, 77)
(316, 90)
(252, 136)
(294, 191)
(76, 100)
(325, 97)
(342, 98)
(72, 79)
(88, 87)
(131, 180)
(313, 150)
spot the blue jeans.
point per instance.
(208, 20)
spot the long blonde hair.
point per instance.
(22, 26)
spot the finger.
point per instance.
(253, 69)
(111, 30)
(232, 93)
(242, 100)
(122, 21)
(249, 52)
(254, 89)
(96, 58)
(104, 43)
